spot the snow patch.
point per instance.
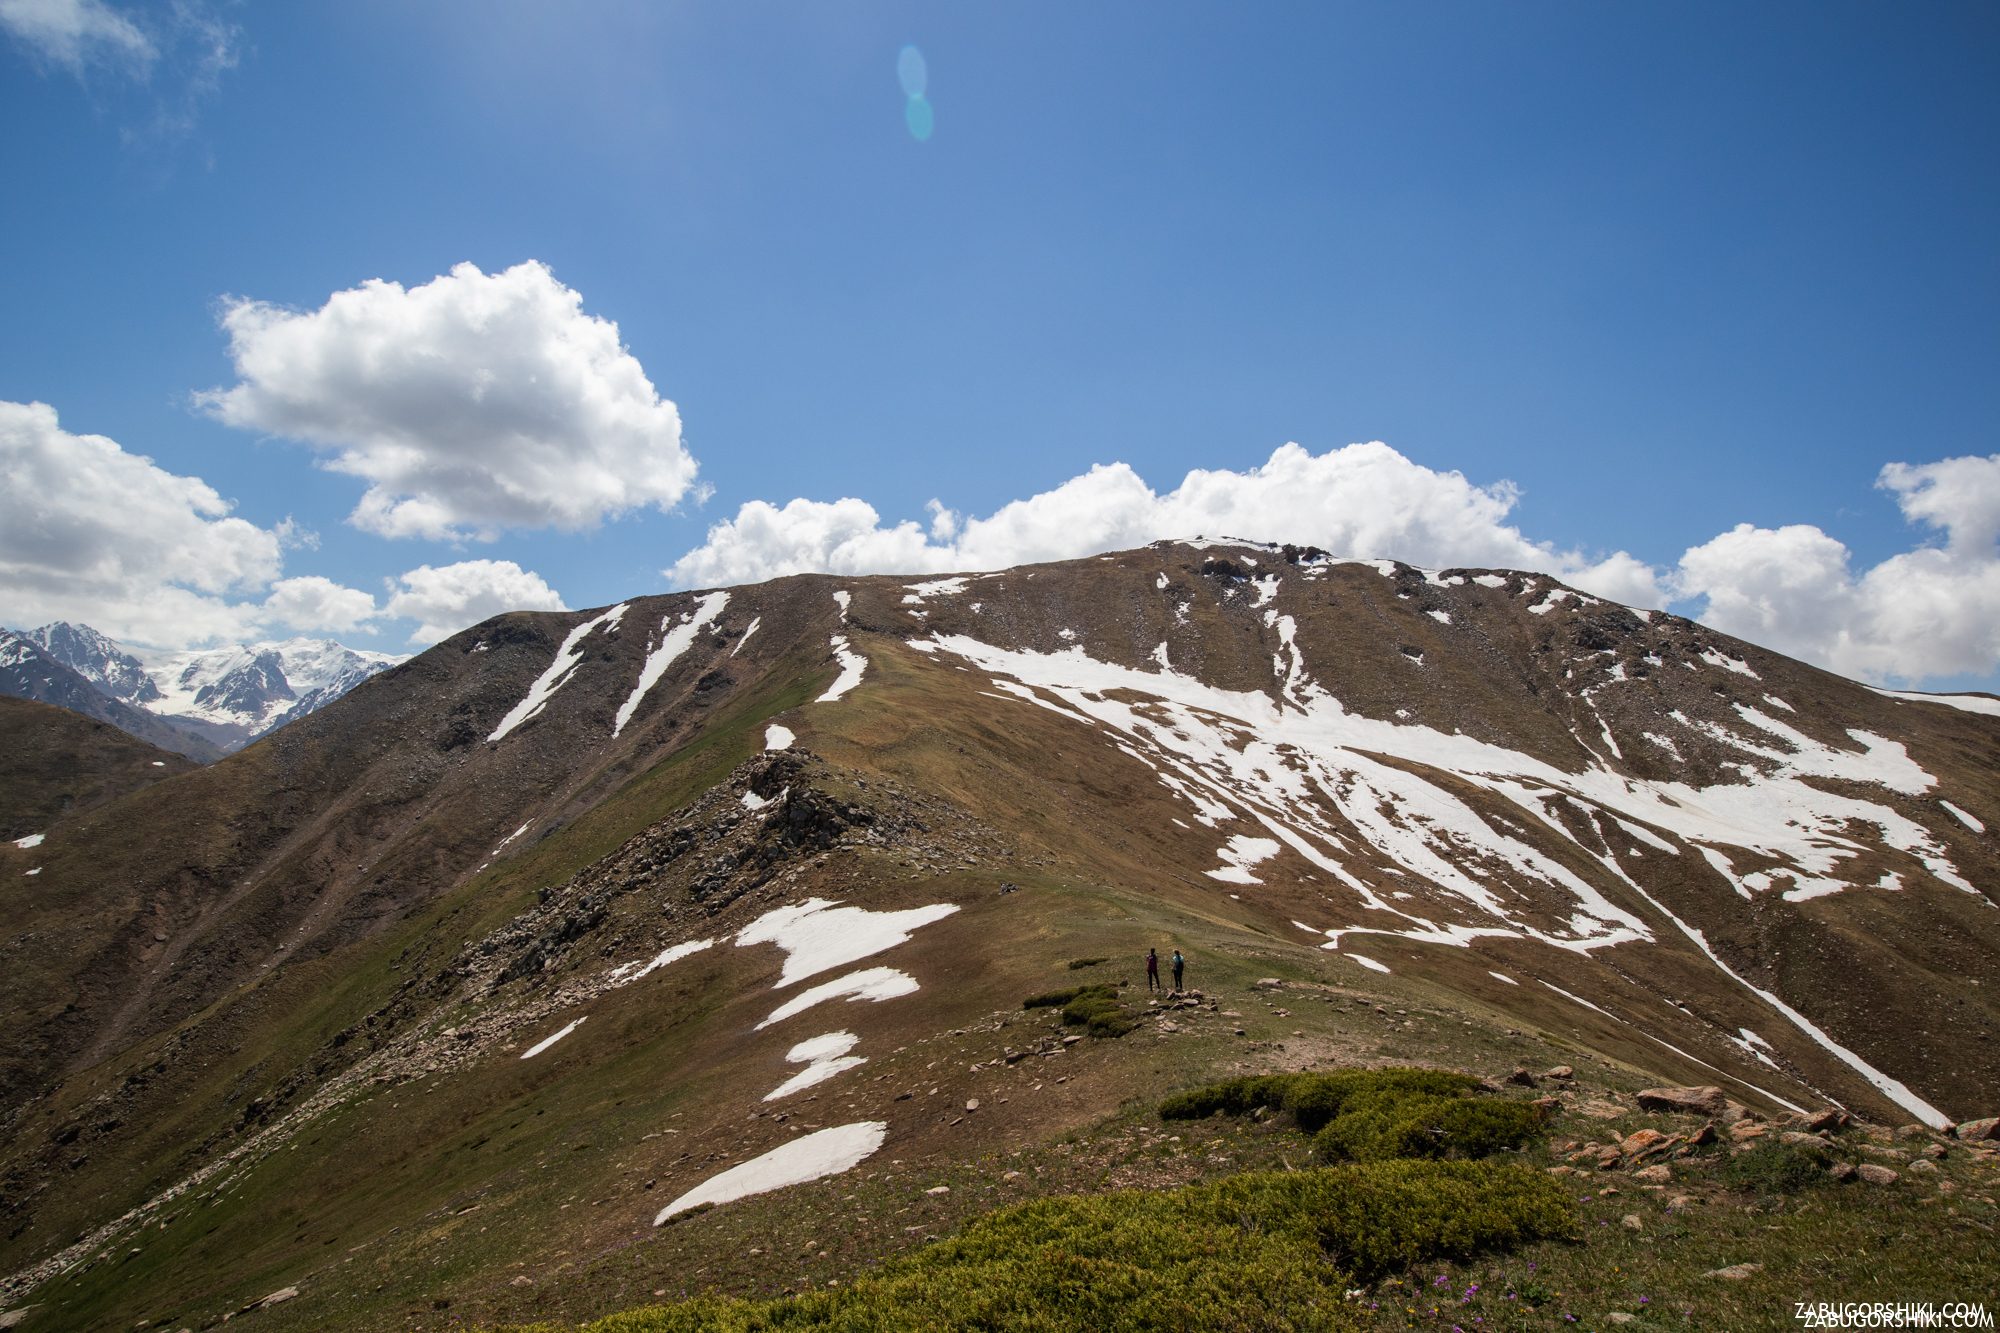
(826, 1153)
(1969, 703)
(1714, 658)
(852, 664)
(873, 984)
(626, 973)
(755, 621)
(1368, 963)
(917, 592)
(1239, 854)
(32, 840)
(568, 656)
(823, 1057)
(1502, 976)
(818, 935)
(778, 738)
(1956, 813)
(547, 1042)
(673, 643)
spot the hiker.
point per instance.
(1152, 969)
(1179, 963)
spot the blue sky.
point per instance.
(1604, 279)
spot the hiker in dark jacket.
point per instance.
(1152, 969)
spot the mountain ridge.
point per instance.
(1440, 786)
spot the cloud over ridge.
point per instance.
(1363, 500)
(1928, 612)
(471, 404)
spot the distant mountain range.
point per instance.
(203, 704)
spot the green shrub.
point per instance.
(1267, 1250)
(1236, 1096)
(1076, 963)
(1388, 1124)
(1052, 999)
(1776, 1168)
(1312, 1099)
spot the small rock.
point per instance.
(1680, 1201)
(1267, 983)
(1561, 1072)
(521, 1280)
(1632, 1222)
(278, 1297)
(1621, 1317)
(1660, 1174)
(1735, 1272)
(1521, 1078)
(1830, 1121)
(1841, 1171)
(1601, 1110)
(1704, 1136)
(1707, 1101)
(1793, 1138)
(1935, 1151)
(972, 1104)
(1876, 1175)
(938, 1189)
(1743, 1131)
(1924, 1164)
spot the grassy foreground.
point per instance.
(1714, 1238)
(1256, 1250)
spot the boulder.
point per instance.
(1521, 1078)
(1657, 1174)
(1707, 1101)
(1876, 1175)
(1746, 1131)
(1841, 1171)
(1795, 1139)
(1830, 1121)
(1641, 1141)
(1980, 1131)
(1560, 1072)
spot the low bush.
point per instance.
(1396, 1124)
(1265, 1250)
(1772, 1169)
(1312, 1099)
(1076, 963)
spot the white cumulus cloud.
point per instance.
(1364, 500)
(91, 532)
(448, 598)
(1932, 611)
(312, 602)
(76, 32)
(471, 404)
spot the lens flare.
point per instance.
(911, 72)
(918, 116)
